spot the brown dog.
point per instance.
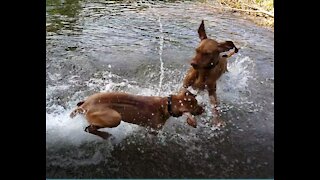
(108, 109)
(207, 67)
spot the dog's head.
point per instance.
(208, 51)
(185, 102)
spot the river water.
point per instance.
(144, 47)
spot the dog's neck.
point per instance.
(166, 107)
(211, 66)
(170, 105)
(203, 74)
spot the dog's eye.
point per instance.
(206, 54)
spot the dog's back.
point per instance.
(121, 102)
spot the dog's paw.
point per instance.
(217, 122)
(192, 122)
(105, 135)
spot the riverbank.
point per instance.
(261, 12)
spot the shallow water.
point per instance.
(144, 47)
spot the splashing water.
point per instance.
(232, 89)
(233, 86)
(161, 43)
(69, 133)
(61, 128)
(160, 56)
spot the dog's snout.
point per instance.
(236, 49)
(194, 65)
(199, 110)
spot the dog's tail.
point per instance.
(78, 110)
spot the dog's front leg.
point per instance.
(189, 78)
(217, 121)
(213, 92)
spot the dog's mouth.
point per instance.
(199, 111)
(206, 67)
(195, 66)
(177, 114)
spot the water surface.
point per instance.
(144, 47)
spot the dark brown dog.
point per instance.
(108, 109)
(207, 67)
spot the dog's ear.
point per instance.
(202, 32)
(226, 46)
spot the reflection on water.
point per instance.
(62, 14)
(98, 45)
(69, 8)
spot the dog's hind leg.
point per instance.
(102, 119)
(94, 130)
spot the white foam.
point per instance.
(61, 128)
(160, 55)
(161, 44)
(233, 84)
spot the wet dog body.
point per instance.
(108, 109)
(207, 67)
